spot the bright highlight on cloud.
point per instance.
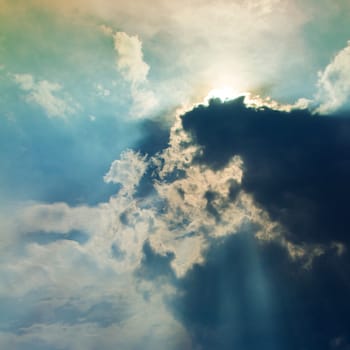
(222, 93)
(334, 83)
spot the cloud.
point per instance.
(25, 81)
(102, 91)
(128, 328)
(130, 58)
(334, 83)
(48, 218)
(69, 282)
(191, 56)
(213, 190)
(155, 334)
(127, 171)
(44, 94)
(188, 57)
(248, 296)
(134, 69)
(216, 241)
(191, 203)
(295, 164)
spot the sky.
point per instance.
(174, 175)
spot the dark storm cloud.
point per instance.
(297, 165)
(248, 295)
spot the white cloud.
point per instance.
(141, 323)
(334, 83)
(130, 58)
(134, 70)
(127, 171)
(44, 93)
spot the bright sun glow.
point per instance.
(223, 93)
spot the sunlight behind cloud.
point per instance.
(223, 93)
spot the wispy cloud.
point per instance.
(131, 65)
(46, 94)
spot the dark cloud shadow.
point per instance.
(296, 165)
(249, 295)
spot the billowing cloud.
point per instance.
(295, 168)
(130, 58)
(334, 83)
(284, 153)
(134, 69)
(127, 171)
(44, 93)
